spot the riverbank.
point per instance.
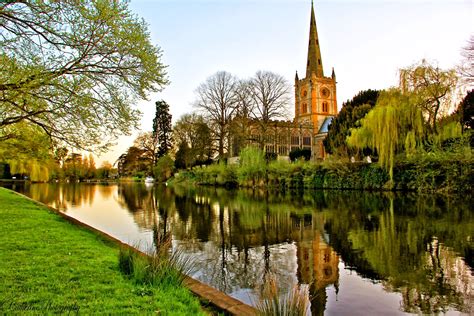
(48, 265)
(423, 174)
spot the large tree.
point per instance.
(239, 129)
(466, 70)
(193, 131)
(162, 129)
(149, 147)
(351, 112)
(433, 88)
(217, 100)
(270, 95)
(392, 125)
(74, 69)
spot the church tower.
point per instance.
(315, 95)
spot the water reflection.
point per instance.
(365, 253)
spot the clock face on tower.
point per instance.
(325, 92)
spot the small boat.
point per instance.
(149, 180)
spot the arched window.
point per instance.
(305, 108)
(305, 93)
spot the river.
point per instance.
(352, 252)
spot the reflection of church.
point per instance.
(317, 263)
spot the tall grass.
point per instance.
(160, 265)
(274, 302)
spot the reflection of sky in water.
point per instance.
(105, 214)
(303, 254)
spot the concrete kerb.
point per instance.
(204, 292)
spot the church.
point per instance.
(315, 95)
(315, 107)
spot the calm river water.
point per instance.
(355, 253)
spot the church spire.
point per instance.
(315, 63)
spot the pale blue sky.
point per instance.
(366, 41)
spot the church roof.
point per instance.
(325, 126)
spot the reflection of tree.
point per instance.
(396, 245)
(419, 246)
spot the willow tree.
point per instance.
(433, 88)
(75, 69)
(395, 123)
(28, 152)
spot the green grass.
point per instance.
(48, 265)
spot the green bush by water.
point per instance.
(447, 172)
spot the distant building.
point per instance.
(315, 107)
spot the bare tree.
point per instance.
(433, 88)
(466, 70)
(270, 95)
(240, 132)
(149, 146)
(217, 100)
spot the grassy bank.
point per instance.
(48, 265)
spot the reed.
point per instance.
(273, 301)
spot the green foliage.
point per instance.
(28, 152)
(431, 88)
(164, 168)
(183, 156)
(351, 113)
(252, 165)
(465, 111)
(80, 81)
(162, 128)
(387, 127)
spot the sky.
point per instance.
(366, 41)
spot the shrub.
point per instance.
(164, 168)
(295, 154)
(252, 165)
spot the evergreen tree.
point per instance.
(162, 127)
(352, 111)
(466, 111)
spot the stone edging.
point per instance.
(218, 299)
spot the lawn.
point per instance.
(48, 265)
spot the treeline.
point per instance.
(64, 166)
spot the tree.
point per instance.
(466, 70)
(132, 163)
(28, 153)
(194, 131)
(74, 69)
(103, 172)
(183, 158)
(149, 148)
(466, 111)
(162, 129)
(239, 129)
(392, 125)
(270, 96)
(164, 168)
(217, 100)
(432, 86)
(349, 116)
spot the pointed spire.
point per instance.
(296, 76)
(333, 75)
(315, 62)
